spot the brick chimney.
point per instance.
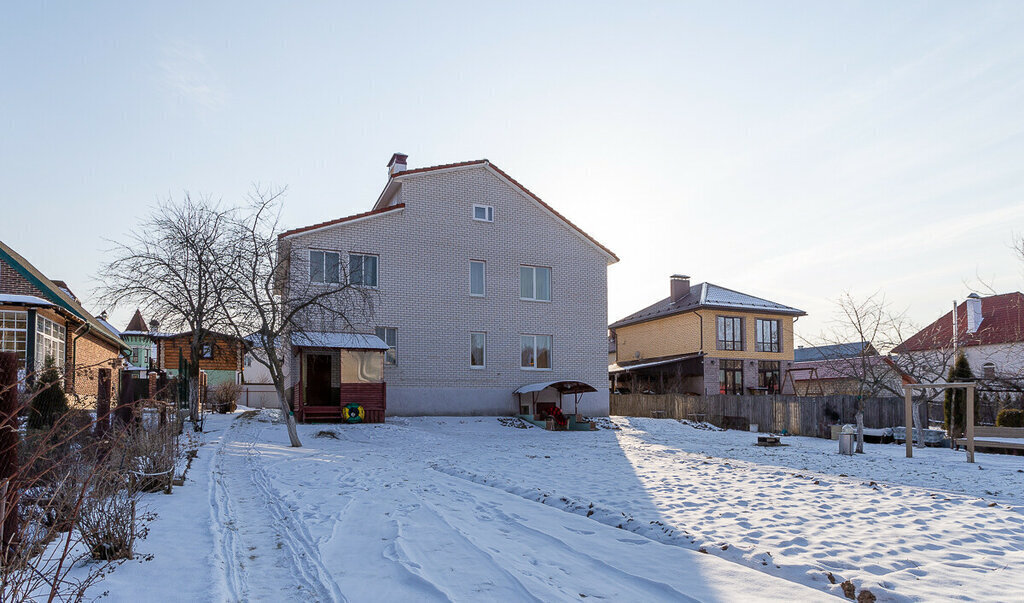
(397, 164)
(973, 312)
(680, 286)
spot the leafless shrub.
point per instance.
(68, 495)
(108, 521)
(225, 397)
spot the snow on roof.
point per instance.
(23, 299)
(345, 341)
(106, 324)
(564, 387)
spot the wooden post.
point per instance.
(908, 415)
(969, 420)
(9, 439)
(102, 402)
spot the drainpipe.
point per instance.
(701, 331)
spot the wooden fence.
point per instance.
(797, 415)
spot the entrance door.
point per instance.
(318, 380)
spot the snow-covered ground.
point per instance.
(470, 509)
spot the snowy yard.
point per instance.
(470, 509)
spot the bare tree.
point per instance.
(169, 267)
(881, 365)
(266, 308)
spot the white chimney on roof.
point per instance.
(974, 317)
(397, 164)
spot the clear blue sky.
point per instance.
(788, 150)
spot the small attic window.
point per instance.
(483, 213)
(989, 370)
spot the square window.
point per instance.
(729, 333)
(535, 352)
(324, 266)
(483, 213)
(535, 283)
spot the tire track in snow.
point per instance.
(269, 528)
(549, 551)
(297, 538)
(225, 549)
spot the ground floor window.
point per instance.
(50, 338)
(14, 334)
(536, 351)
(768, 376)
(477, 350)
(389, 335)
(730, 376)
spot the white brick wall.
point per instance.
(424, 252)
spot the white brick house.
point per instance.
(480, 288)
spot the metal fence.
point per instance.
(797, 415)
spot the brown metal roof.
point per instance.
(373, 212)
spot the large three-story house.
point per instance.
(479, 288)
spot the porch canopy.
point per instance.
(344, 341)
(575, 388)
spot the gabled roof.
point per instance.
(137, 324)
(1002, 321)
(838, 350)
(57, 295)
(707, 295)
(397, 177)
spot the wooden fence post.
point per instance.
(102, 402)
(969, 420)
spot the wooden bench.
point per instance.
(321, 413)
(1003, 433)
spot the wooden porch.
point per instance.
(340, 378)
(371, 396)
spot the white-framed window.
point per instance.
(324, 266)
(50, 338)
(389, 335)
(477, 278)
(140, 356)
(477, 350)
(14, 334)
(362, 269)
(536, 352)
(483, 213)
(535, 283)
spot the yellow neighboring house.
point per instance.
(704, 339)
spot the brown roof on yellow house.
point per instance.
(706, 295)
